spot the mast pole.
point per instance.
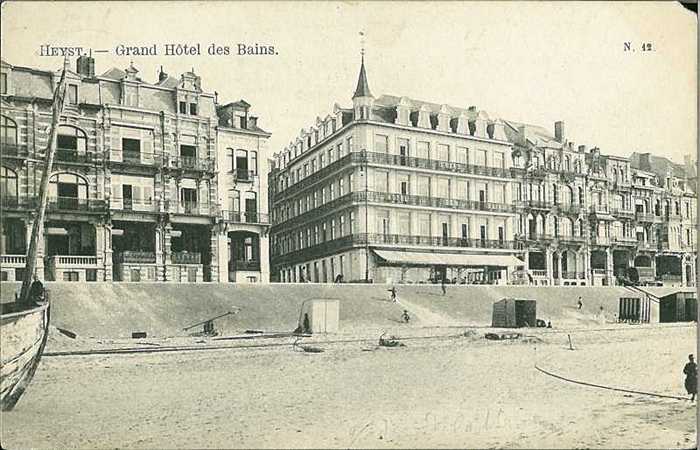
(38, 226)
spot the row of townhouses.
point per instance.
(397, 190)
(150, 182)
(161, 182)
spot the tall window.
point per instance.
(443, 152)
(8, 184)
(381, 143)
(73, 94)
(71, 142)
(242, 164)
(3, 83)
(8, 131)
(254, 162)
(423, 150)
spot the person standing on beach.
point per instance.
(580, 303)
(691, 377)
(393, 294)
(444, 289)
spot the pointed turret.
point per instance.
(362, 101)
(362, 89)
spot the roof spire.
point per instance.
(362, 89)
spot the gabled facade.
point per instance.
(135, 193)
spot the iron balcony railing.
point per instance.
(432, 164)
(244, 217)
(74, 156)
(76, 204)
(436, 202)
(13, 150)
(358, 239)
(241, 265)
(128, 204)
(599, 271)
(534, 204)
(136, 158)
(185, 257)
(625, 240)
(190, 163)
(600, 240)
(623, 213)
(243, 175)
(644, 217)
(313, 178)
(136, 257)
(538, 272)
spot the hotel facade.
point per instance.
(396, 190)
(150, 181)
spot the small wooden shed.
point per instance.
(635, 310)
(679, 307)
(322, 315)
(514, 313)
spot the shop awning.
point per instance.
(447, 259)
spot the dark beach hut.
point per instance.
(514, 313)
(678, 307)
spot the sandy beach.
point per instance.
(444, 392)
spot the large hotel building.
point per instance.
(398, 190)
(150, 182)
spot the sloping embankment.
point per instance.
(164, 309)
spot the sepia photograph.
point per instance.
(348, 224)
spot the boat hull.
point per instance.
(23, 335)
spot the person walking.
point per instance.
(691, 377)
(393, 294)
(444, 289)
(580, 302)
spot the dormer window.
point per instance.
(73, 94)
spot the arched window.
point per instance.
(68, 190)
(8, 131)
(581, 198)
(567, 163)
(8, 186)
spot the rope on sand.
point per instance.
(600, 386)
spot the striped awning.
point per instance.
(447, 259)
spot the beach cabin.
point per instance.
(679, 307)
(321, 316)
(514, 313)
(635, 310)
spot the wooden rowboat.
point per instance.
(23, 335)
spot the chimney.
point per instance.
(162, 76)
(645, 161)
(559, 131)
(582, 149)
(85, 66)
(252, 122)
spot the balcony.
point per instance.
(134, 257)
(600, 271)
(600, 240)
(432, 164)
(599, 209)
(647, 245)
(136, 158)
(644, 217)
(190, 163)
(248, 266)
(243, 175)
(69, 155)
(394, 239)
(435, 202)
(71, 261)
(625, 240)
(623, 213)
(76, 204)
(539, 273)
(569, 208)
(13, 150)
(186, 258)
(573, 275)
(534, 204)
(13, 260)
(136, 205)
(244, 217)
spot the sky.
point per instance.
(533, 62)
